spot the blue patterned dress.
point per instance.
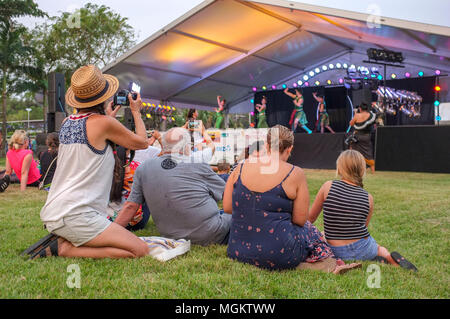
(262, 232)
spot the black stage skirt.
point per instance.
(364, 145)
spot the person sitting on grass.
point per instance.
(182, 195)
(20, 160)
(223, 170)
(269, 200)
(347, 210)
(48, 159)
(75, 210)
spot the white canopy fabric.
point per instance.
(230, 47)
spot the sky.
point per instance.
(149, 16)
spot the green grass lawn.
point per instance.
(412, 215)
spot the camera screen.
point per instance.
(121, 100)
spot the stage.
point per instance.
(397, 148)
(317, 151)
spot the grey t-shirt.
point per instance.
(182, 198)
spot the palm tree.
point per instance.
(14, 55)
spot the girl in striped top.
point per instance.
(347, 210)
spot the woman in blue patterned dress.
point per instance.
(269, 202)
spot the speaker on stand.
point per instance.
(56, 101)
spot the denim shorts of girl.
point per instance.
(363, 249)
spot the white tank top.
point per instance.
(83, 176)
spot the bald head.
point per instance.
(177, 140)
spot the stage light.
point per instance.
(252, 113)
(300, 82)
(284, 86)
(338, 65)
(317, 83)
(331, 66)
(393, 75)
(264, 88)
(255, 89)
(329, 82)
(252, 101)
(306, 84)
(437, 103)
(305, 77)
(352, 67)
(341, 80)
(438, 118)
(294, 85)
(311, 73)
(317, 70)
(407, 75)
(274, 87)
(380, 77)
(437, 88)
(345, 65)
(420, 73)
(437, 72)
(324, 68)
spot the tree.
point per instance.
(91, 35)
(14, 55)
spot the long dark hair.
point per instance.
(52, 142)
(191, 113)
(115, 193)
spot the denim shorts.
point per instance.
(363, 249)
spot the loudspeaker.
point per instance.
(362, 96)
(128, 119)
(56, 93)
(50, 122)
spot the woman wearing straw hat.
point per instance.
(75, 211)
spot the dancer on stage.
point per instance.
(298, 115)
(261, 116)
(219, 111)
(324, 119)
(363, 122)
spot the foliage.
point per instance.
(15, 66)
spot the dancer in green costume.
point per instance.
(219, 111)
(298, 115)
(262, 123)
(324, 118)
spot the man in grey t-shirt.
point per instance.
(181, 194)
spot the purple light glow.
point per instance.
(306, 84)
(294, 85)
(407, 74)
(255, 89)
(437, 72)
(341, 81)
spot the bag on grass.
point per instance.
(165, 249)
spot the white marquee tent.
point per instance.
(229, 47)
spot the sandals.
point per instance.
(403, 262)
(4, 183)
(39, 245)
(53, 245)
(39, 249)
(381, 260)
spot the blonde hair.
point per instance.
(17, 140)
(281, 136)
(351, 166)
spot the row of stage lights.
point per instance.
(164, 110)
(374, 74)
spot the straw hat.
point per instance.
(90, 87)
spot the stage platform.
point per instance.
(317, 151)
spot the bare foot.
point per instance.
(341, 269)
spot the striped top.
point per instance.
(345, 212)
